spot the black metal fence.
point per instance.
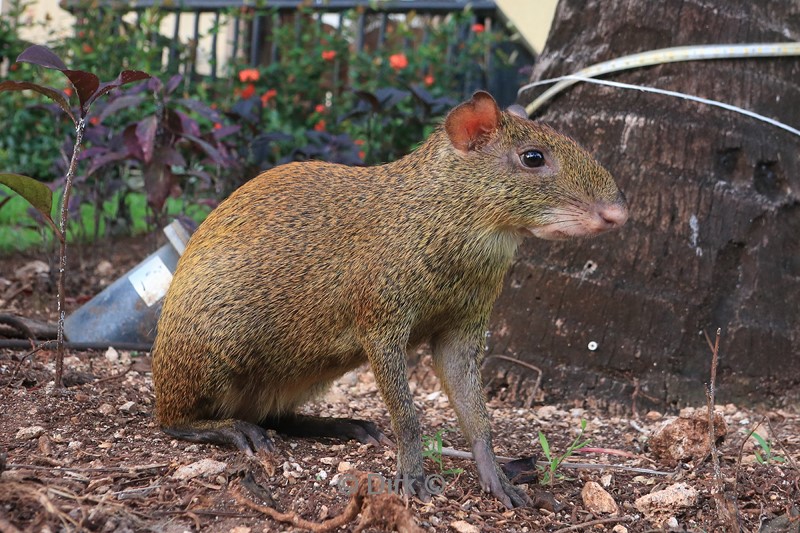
(254, 24)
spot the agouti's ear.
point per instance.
(470, 124)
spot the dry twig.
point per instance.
(386, 511)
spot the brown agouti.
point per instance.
(310, 269)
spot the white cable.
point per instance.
(643, 88)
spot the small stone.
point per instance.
(658, 507)
(45, 446)
(597, 499)
(240, 529)
(203, 467)
(463, 526)
(671, 523)
(330, 461)
(28, 433)
(128, 407)
(105, 409)
(112, 355)
(652, 416)
(686, 437)
(619, 528)
(104, 268)
(344, 466)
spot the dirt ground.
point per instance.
(92, 458)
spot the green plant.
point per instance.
(432, 449)
(88, 88)
(767, 454)
(549, 472)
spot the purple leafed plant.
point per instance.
(88, 89)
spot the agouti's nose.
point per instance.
(614, 214)
(610, 216)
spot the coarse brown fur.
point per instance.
(311, 269)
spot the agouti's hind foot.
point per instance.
(243, 435)
(337, 428)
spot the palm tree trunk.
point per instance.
(714, 235)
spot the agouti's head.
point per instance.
(536, 181)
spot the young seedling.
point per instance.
(432, 449)
(88, 88)
(767, 454)
(554, 461)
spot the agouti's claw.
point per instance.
(244, 436)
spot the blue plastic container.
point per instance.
(127, 310)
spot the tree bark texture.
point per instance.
(714, 234)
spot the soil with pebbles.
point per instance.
(92, 458)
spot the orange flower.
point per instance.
(359, 142)
(217, 126)
(478, 28)
(87, 49)
(320, 108)
(248, 91)
(267, 96)
(328, 55)
(248, 74)
(68, 91)
(94, 121)
(319, 126)
(428, 80)
(398, 61)
(362, 155)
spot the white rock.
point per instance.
(112, 355)
(128, 407)
(661, 505)
(203, 467)
(597, 499)
(463, 526)
(619, 528)
(31, 432)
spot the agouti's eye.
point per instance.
(532, 158)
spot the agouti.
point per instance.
(310, 269)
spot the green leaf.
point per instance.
(545, 445)
(32, 190)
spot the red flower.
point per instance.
(362, 155)
(248, 91)
(217, 126)
(328, 55)
(320, 108)
(94, 121)
(319, 126)
(428, 80)
(267, 96)
(248, 74)
(398, 61)
(359, 142)
(68, 91)
(87, 49)
(478, 28)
